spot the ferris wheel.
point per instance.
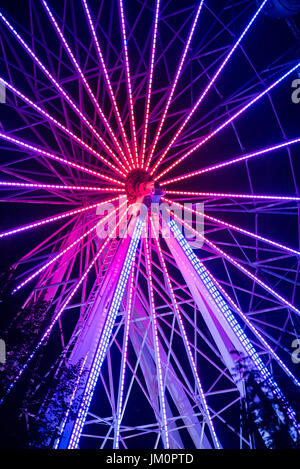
(163, 131)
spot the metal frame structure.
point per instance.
(157, 320)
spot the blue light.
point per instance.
(106, 335)
(222, 305)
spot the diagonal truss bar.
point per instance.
(61, 216)
(128, 79)
(235, 160)
(234, 227)
(239, 266)
(235, 196)
(148, 98)
(105, 337)
(186, 342)
(61, 126)
(62, 92)
(67, 249)
(64, 305)
(211, 83)
(252, 327)
(40, 151)
(164, 423)
(223, 307)
(108, 82)
(83, 79)
(123, 362)
(228, 121)
(184, 53)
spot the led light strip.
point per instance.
(131, 106)
(108, 83)
(78, 240)
(227, 195)
(232, 161)
(156, 349)
(61, 126)
(211, 83)
(233, 227)
(223, 307)
(228, 121)
(150, 81)
(123, 364)
(52, 156)
(185, 51)
(53, 80)
(105, 337)
(187, 345)
(85, 83)
(55, 218)
(239, 266)
(63, 307)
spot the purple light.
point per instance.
(108, 83)
(228, 121)
(233, 161)
(212, 81)
(228, 195)
(238, 265)
(186, 48)
(61, 126)
(57, 85)
(42, 152)
(29, 185)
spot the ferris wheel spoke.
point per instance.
(128, 80)
(85, 83)
(229, 121)
(187, 346)
(28, 146)
(61, 126)
(54, 218)
(171, 94)
(68, 248)
(211, 83)
(234, 262)
(27, 185)
(233, 161)
(108, 82)
(61, 91)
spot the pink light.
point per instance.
(26, 185)
(186, 48)
(156, 347)
(62, 127)
(108, 83)
(38, 150)
(228, 121)
(68, 248)
(238, 265)
(86, 85)
(211, 83)
(150, 81)
(227, 195)
(54, 218)
(56, 84)
(235, 228)
(184, 335)
(125, 49)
